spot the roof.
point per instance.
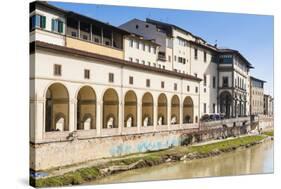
(33, 4)
(225, 51)
(106, 59)
(77, 15)
(156, 22)
(151, 21)
(256, 79)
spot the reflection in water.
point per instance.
(256, 159)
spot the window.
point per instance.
(205, 108)
(137, 26)
(195, 54)
(154, 50)
(131, 43)
(147, 82)
(195, 74)
(137, 44)
(162, 84)
(38, 21)
(225, 81)
(214, 82)
(149, 48)
(143, 47)
(143, 62)
(85, 37)
(137, 60)
(131, 80)
(146, 26)
(57, 70)
(97, 40)
(196, 89)
(111, 77)
(214, 108)
(140, 45)
(187, 88)
(205, 80)
(205, 56)
(131, 59)
(73, 34)
(175, 58)
(87, 74)
(205, 90)
(57, 25)
(169, 58)
(149, 63)
(175, 86)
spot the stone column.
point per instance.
(139, 118)
(121, 118)
(155, 116)
(37, 119)
(78, 29)
(181, 112)
(72, 115)
(169, 113)
(99, 118)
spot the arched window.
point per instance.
(130, 109)
(110, 109)
(86, 108)
(57, 107)
(188, 110)
(147, 110)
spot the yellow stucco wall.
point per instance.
(94, 48)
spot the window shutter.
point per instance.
(43, 22)
(53, 24)
(60, 27)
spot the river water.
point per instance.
(253, 160)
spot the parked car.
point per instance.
(215, 117)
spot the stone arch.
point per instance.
(175, 109)
(86, 108)
(110, 108)
(147, 108)
(57, 108)
(130, 109)
(188, 110)
(226, 103)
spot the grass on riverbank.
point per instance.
(269, 133)
(149, 159)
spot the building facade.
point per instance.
(268, 105)
(256, 96)
(92, 80)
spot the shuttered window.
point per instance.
(38, 21)
(57, 25)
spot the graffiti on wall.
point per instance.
(144, 146)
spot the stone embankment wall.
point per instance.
(55, 154)
(265, 123)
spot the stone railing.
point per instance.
(228, 122)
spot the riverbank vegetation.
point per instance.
(135, 161)
(269, 133)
